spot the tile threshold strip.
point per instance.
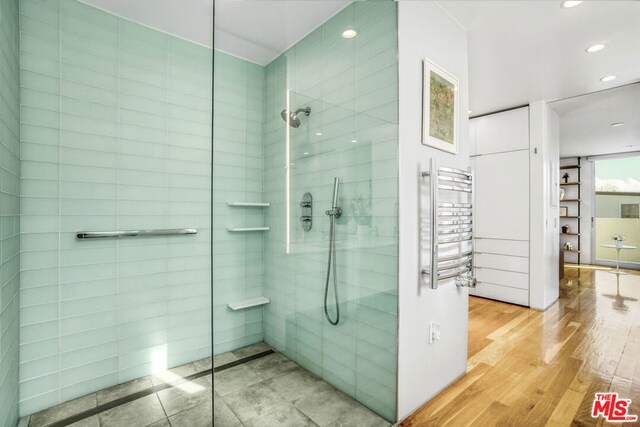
(142, 393)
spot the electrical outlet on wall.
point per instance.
(434, 332)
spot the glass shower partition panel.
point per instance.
(116, 137)
(357, 355)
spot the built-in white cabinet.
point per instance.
(502, 195)
(502, 293)
(508, 247)
(500, 132)
(500, 161)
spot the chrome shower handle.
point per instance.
(336, 187)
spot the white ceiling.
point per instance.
(523, 51)
(256, 30)
(260, 30)
(519, 51)
(585, 122)
(189, 19)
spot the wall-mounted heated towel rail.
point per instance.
(134, 233)
(450, 223)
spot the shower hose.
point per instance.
(332, 261)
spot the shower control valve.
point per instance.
(336, 212)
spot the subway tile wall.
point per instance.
(9, 211)
(238, 169)
(351, 87)
(115, 134)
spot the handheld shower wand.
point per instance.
(334, 213)
(335, 210)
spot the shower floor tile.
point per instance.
(183, 399)
(264, 391)
(287, 395)
(62, 411)
(250, 350)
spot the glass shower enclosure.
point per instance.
(320, 111)
(198, 233)
(115, 231)
(357, 354)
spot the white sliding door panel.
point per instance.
(503, 278)
(502, 195)
(506, 131)
(502, 247)
(472, 137)
(502, 293)
(502, 262)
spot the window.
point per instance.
(628, 210)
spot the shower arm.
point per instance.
(306, 111)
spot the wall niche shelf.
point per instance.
(573, 187)
(248, 303)
(247, 229)
(249, 204)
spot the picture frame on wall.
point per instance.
(440, 107)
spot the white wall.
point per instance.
(426, 31)
(544, 222)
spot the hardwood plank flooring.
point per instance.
(532, 368)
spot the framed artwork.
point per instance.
(439, 108)
(564, 211)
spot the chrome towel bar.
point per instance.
(82, 235)
(455, 205)
(247, 229)
(455, 257)
(455, 274)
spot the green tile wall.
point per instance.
(115, 134)
(351, 87)
(9, 211)
(238, 169)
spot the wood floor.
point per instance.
(531, 368)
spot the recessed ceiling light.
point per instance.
(349, 34)
(353, 141)
(469, 111)
(617, 124)
(595, 48)
(607, 78)
(306, 153)
(570, 3)
(318, 133)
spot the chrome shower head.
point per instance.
(292, 117)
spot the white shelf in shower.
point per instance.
(247, 229)
(249, 204)
(248, 303)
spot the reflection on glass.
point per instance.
(617, 208)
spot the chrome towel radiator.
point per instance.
(450, 225)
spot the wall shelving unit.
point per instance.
(572, 202)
